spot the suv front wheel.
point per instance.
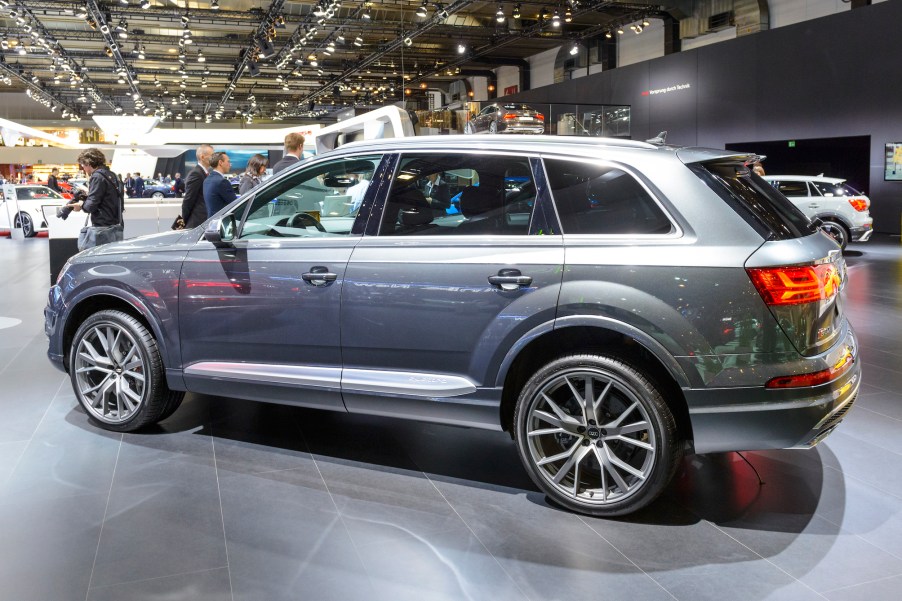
(118, 374)
(596, 435)
(837, 231)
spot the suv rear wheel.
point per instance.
(118, 374)
(837, 231)
(596, 435)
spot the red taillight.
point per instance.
(818, 377)
(859, 204)
(540, 116)
(796, 285)
(510, 116)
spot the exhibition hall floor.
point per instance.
(249, 501)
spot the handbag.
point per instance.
(179, 223)
(87, 237)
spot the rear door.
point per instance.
(435, 296)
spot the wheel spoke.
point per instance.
(570, 427)
(632, 441)
(93, 388)
(134, 374)
(93, 355)
(545, 431)
(100, 397)
(88, 368)
(562, 415)
(574, 459)
(616, 423)
(606, 465)
(615, 460)
(600, 400)
(127, 391)
(604, 478)
(633, 428)
(559, 456)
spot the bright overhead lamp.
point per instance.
(200, 56)
(608, 35)
(421, 10)
(556, 19)
(461, 48)
(574, 50)
(144, 4)
(499, 16)
(516, 13)
(367, 14)
(645, 23)
(358, 41)
(214, 5)
(185, 19)
(568, 15)
(408, 42)
(142, 53)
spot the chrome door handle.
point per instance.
(510, 279)
(319, 276)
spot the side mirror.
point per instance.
(220, 232)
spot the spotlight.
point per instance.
(200, 56)
(516, 14)
(421, 10)
(568, 16)
(145, 4)
(81, 12)
(185, 20)
(125, 2)
(214, 5)
(645, 23)
(620, 31)
(574, 50)
(638, 29)
(408, 41)
(556, 19)
(367, 14)
(142, 53)
(461, 48)
(499, 16)
(358, 41)
(608, 35)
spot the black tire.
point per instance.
(640, 457)
(24, 221)
(117, 359)
(172, 404)
(837, 231)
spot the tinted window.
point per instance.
(321, 200)
(755, 200)
(597, 199)
(793, 188)
(459, 194)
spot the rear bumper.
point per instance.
(863, 233)
(755, 418)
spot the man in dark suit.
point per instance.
(178, 185)
(218, 191)
(294, 146)
(194, 210)
(139, 186)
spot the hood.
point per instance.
(165, 241)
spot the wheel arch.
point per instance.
(113, 299)
(606, 337)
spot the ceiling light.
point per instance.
(499, 16)
(214, 5)
(367, 14)
(145, 4)
(608, 35)
(408, 41)
(645, 23)
(516, 13)
(125, 2)
(142, 53)
(81, 12)
(421, 10)
(200, 56)
(358, 41)
(574, 50)
(203, 82)
(638, 29)
(185, 20)
(461, 48)
(556, 19)
(620, 31)
(568, 16)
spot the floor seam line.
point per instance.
(31, 438)
(724, 532)
(625, 556)
(842, 588)
(103, 521)
(103, 586)
(225, 539)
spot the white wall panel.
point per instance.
(507, 76)
(709, 38)
(541, 68)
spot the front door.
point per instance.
(259, 319)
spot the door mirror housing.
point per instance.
(220, 232)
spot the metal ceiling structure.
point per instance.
(273, 59)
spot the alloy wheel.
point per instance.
(24, 221)
(110, 373)
(837, 232)
(590, 437)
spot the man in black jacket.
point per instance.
(52, 181)
(194, 210)
(104, 202)
(294, 146)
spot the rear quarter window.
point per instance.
(603, 199)
(761, 205)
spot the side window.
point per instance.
(598, 199)
(321, 200)
(459, 194)
(791, 189)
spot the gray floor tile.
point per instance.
(10, 452)
(885, 589)
(209, 585)
(47, 547)
(883, 402)
(874, 428)
(744, 581)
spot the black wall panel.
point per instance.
(836, 76)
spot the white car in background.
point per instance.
(842, 210)
(30, 217)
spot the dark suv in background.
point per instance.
(611, 304)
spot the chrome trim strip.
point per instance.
(405, 382)
(298, 375)
(352, 380)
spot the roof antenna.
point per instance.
(659, 140)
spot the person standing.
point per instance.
(294, 146)
(194, 209)
(139, 185)
(218, 191)
(52, 181)
(104, 202)
(178, 186)
(256, 167)
(129, 185)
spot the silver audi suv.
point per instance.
(613, 305)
